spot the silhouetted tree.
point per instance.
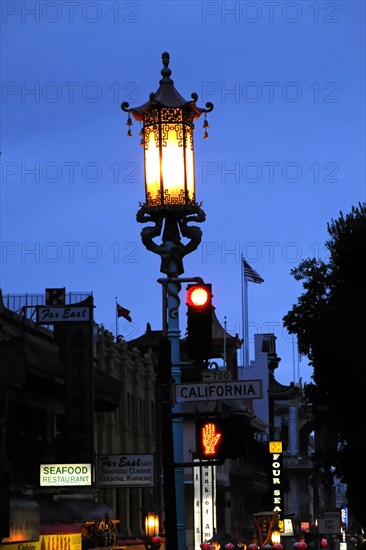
(329, 320)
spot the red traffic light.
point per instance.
(199, 321)
(199, 296)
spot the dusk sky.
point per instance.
(285, 152)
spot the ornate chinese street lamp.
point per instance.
(167, 138)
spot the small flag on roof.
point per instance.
(123, 312)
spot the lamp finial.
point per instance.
(165, 71)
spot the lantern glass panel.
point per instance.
(152, 168)
(189, 164)
(173, 164)
(169, 158)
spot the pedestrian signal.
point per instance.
(222, 437)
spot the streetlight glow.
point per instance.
(151, 524)
(169, 162)
(167, 137)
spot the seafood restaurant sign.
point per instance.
(63, 475)
(126, 470)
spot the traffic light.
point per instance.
(199, 321)
(219, 438)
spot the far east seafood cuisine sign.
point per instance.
(126, 470)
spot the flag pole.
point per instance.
(249, 275)
(242, 309)
(116, 327)
(246, 323)
(225, 342)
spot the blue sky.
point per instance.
(285, 153)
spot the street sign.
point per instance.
(218, 391)
(48, 315)
(216, 375)
(329, 521)
(286, 527)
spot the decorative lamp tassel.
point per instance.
(129, 124)
(205, 125)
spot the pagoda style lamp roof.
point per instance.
(167, 96)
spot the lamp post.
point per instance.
(167, 138)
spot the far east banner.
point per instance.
(126, 470)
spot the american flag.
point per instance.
(250, 274)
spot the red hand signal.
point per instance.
(210, 438)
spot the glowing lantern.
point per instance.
(151, 524)
(167, 138)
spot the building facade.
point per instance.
(34, 403)
(126, 418)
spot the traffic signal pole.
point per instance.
(164, 378)
(172, 421)
(165, 283)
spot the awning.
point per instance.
(24, 520)
(72, 510)
(58, 528)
